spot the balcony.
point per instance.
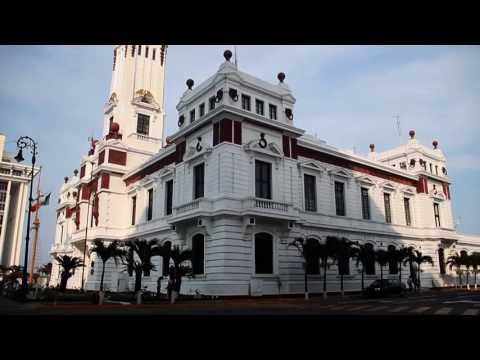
(233, 206)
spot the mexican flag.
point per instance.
(43, 200)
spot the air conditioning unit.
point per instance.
(199, 222)
(252, 220)
(291, 224)
(173, 227)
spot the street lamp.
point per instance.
(22, 143)
(86, 227)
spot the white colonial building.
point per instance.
(239, 181)
(14, 187)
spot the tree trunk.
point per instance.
(138, 280)
(325, 280)
(341, 285)
(381, 277)
(306, 283)
(400, 273)
(63, 281)
(363, 276)
(419, 277)
(103, 274)
(475, 280)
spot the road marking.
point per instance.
(378, 308)
(471, 312)
(420, 309)
(443, 311)
(360, 307)
(400, 308)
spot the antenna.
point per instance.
(397, 125)
(235, 49)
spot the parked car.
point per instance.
(385, 287)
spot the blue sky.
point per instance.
(347, 95)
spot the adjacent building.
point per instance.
(14, 183)
(238, 181)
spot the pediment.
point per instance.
(366, 180)
(192, 152)
(407, 190)
(313, 165)
(389, 186)
(340, 173)
(271, 149)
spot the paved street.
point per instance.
(447, 302)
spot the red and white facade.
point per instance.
(231, 184)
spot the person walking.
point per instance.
(171, 284)
(410, 283)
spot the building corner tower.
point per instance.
(136, 100)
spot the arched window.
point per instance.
(441, 261)
(370, 265)
(313, 263)
(198, 254)
(166, 259)
(263, 253)
(392, 261)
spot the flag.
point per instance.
(43, 200)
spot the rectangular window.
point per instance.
(259, 107)
(436, 211)
(139, 49)
(168, 197)
(199, 180)
(365, 204)
(273, 111)
(146, 52)
(201, 110)
(388, 210)
(153, 54)
(245, 102)
(134, 209)
(211, 103)
(143, 124)
(150, 205)
(310, 193)
(340, 198)
(192, 115)
(263, 180)
(61, 234)
(431, 168)
(408, 219)
(436, 169)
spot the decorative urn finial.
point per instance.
(190, 84)
(435, 144)
(227, 55)
(281, 76)
(372, 147)
(412, 134)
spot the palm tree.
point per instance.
(410, 259)
(178, 257)
(455, 260)
(475, 261)
(382, 258)
(111, 251)
(466, 261)
(419, 259)
(401, 255)
(363, 255)
(344, 252)
(142, 262)
(326, 252)
(69, 264)
(47, 270)
(309, 250)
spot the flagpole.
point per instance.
(36, 226)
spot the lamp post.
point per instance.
(86, 227)
(22, 143)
